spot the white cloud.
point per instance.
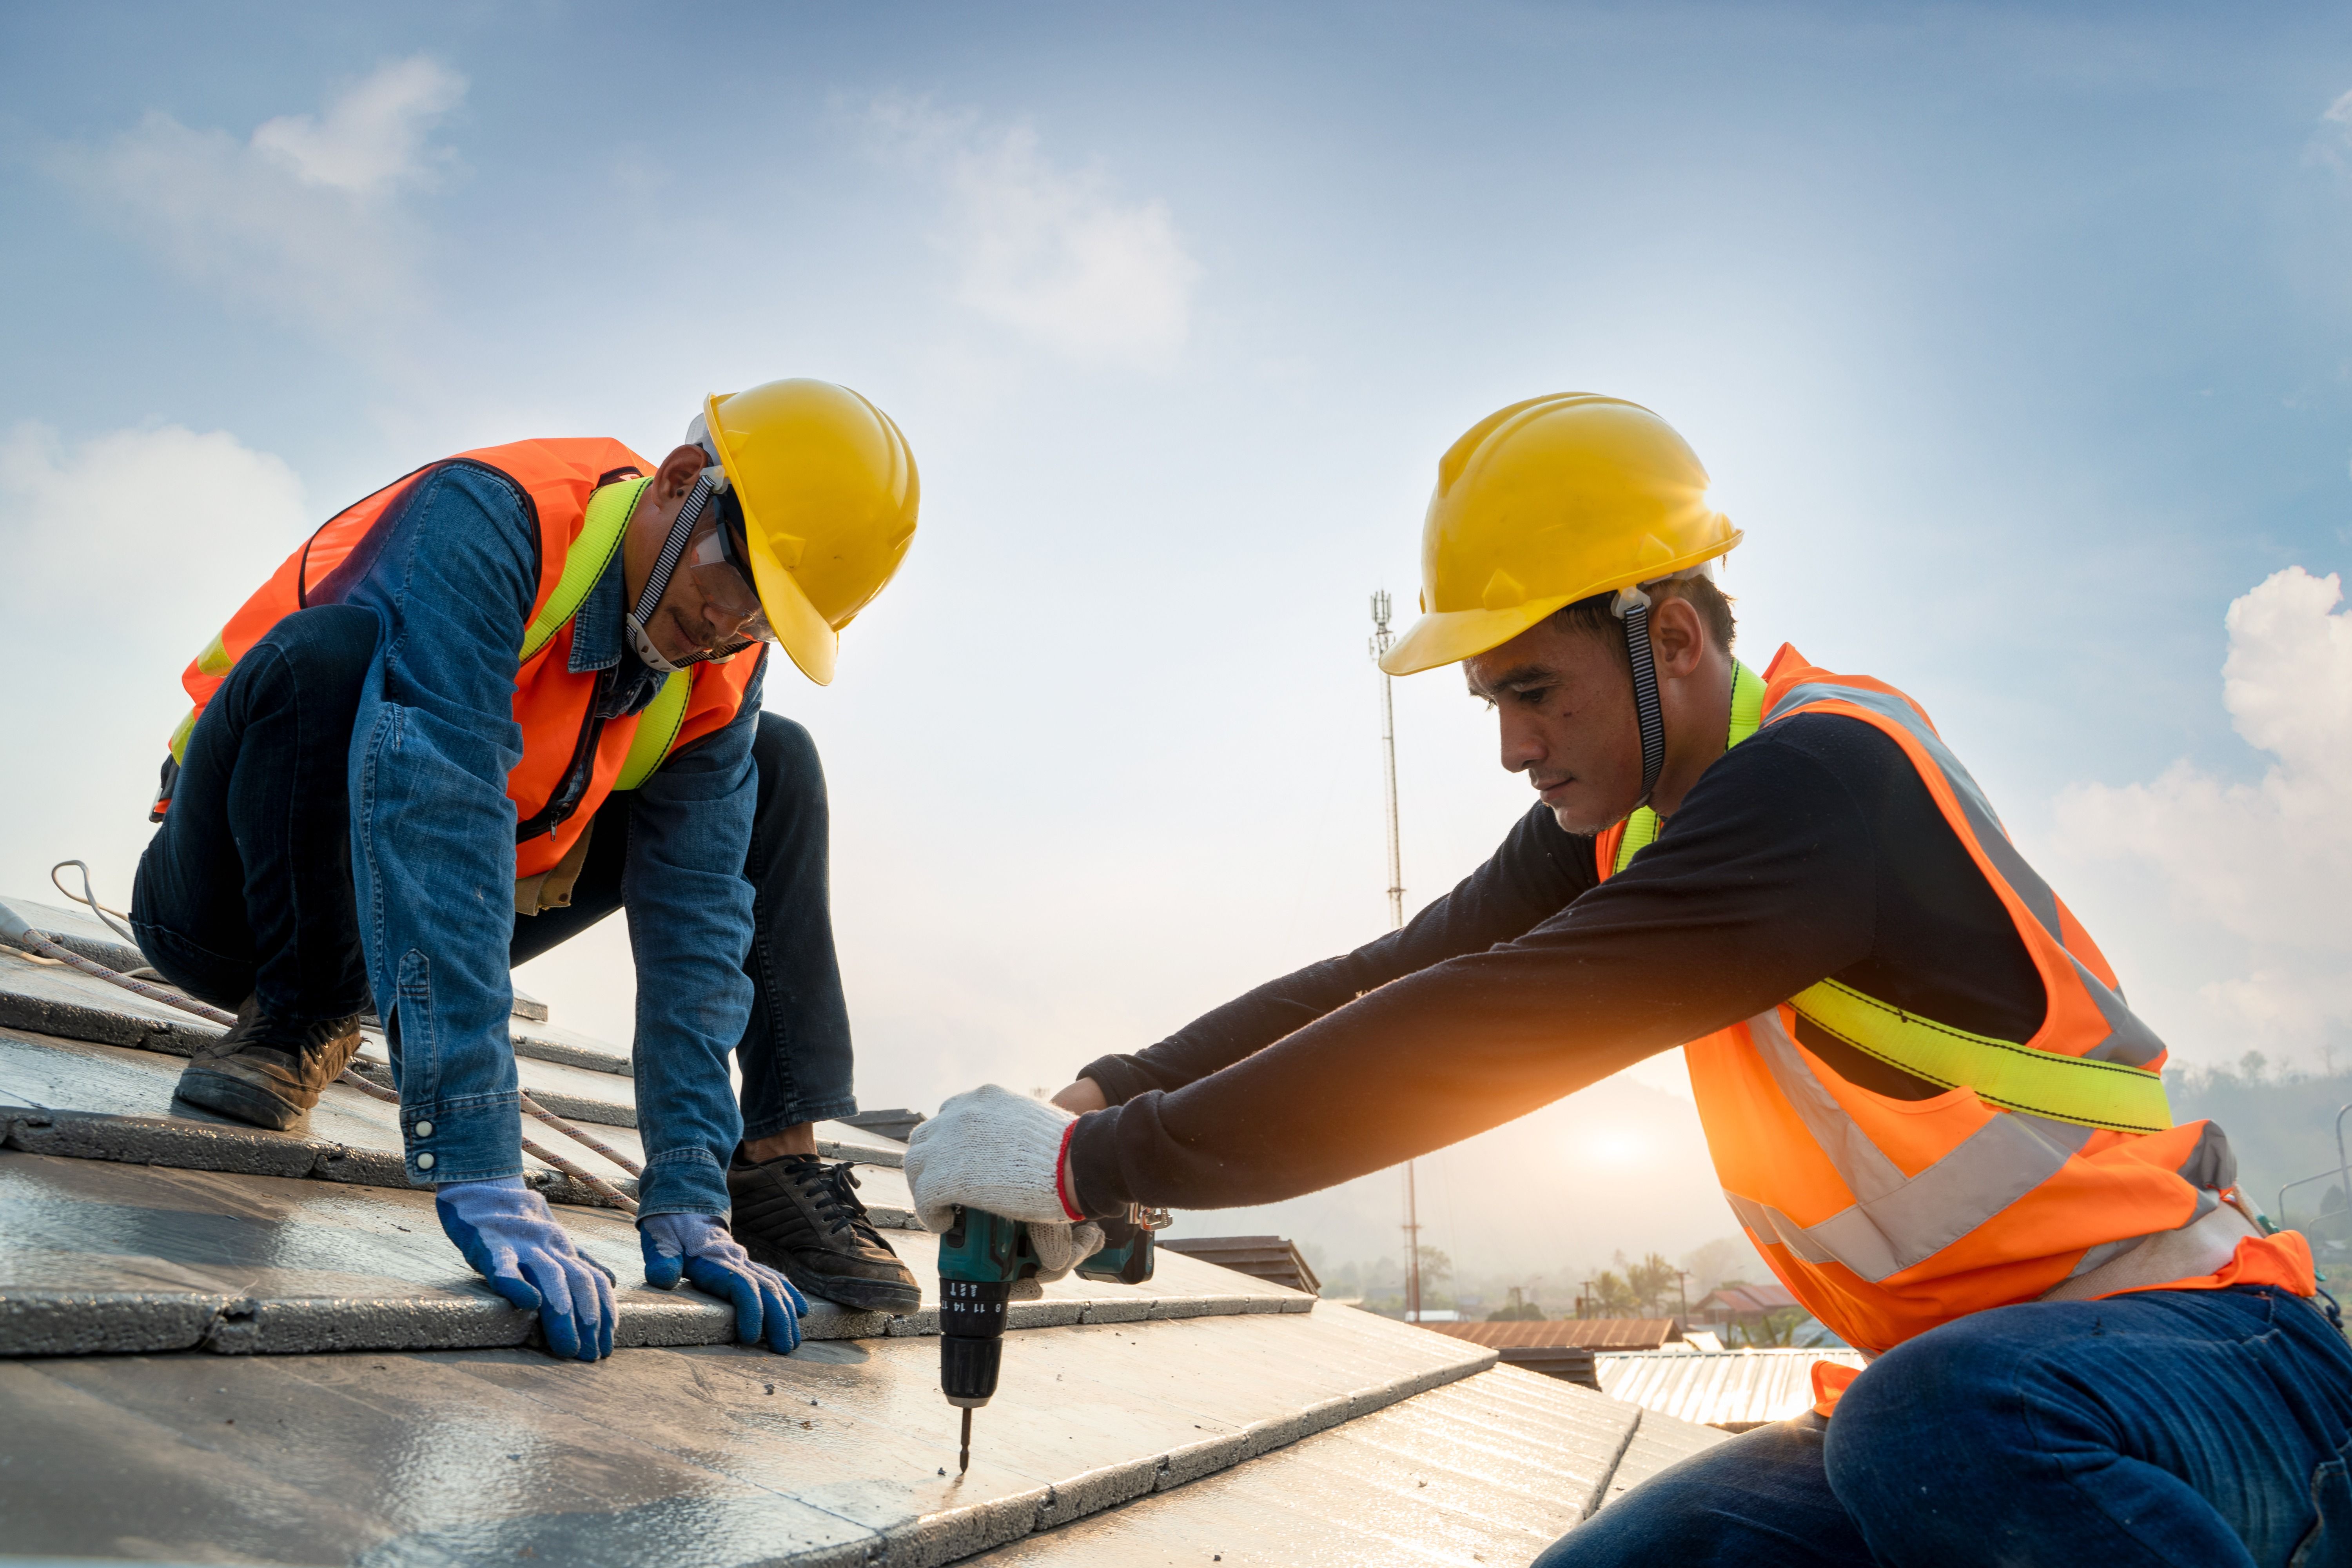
(1052, 252)
(305, 217)
(126, 553)
(2255, 877)
(373, 136)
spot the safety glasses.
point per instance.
(724, 577)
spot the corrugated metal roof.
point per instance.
(1731, 1389)
(1744, 1299)
(1592, 1334)
(1269, 1258)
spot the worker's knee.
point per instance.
(785, 755)
(325, 650)
(1736, 1503)
(1922, 1418)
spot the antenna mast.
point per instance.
(1382, 639)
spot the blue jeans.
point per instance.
(2202, 1428)
(247, 887)
(795, 1057)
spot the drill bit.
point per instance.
(963, 1459)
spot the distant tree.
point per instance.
(1611, 1297)
(2253, 1065)
(1519, 1309)
(1778, 1329)
(1436, 1270)
(1652, 1283)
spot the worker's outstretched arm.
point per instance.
(451, 571)
(1532, 876)
(1734, 908)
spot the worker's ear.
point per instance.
(1677, 639)
(677, 473)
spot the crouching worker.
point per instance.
(1926, 1101)
(479, 712)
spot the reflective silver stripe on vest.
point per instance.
(2129, 1042)
(2211, 1167)
(1898, 1221)
(2106, 1252)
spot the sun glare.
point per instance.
(1615, 1149)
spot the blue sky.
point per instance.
(2017, 339)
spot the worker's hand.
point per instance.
(697, 1246)
(1062, 1247)
(1082, 1096)
(990, 1149)
(506, 1233)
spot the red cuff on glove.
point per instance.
(1061, 1182)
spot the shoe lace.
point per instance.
(833, 1189)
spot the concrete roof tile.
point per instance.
(348, 1137)
(699, 1455)
(1467, 1473)
(96, 1256)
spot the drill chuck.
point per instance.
(972, 1338)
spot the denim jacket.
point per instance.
(451, 577)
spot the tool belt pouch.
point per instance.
(551, 888)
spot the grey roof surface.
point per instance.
(1490, 1469)
(223, 1343)
(1731, 1389)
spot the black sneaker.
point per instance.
(801, 1217)
(267, 1073)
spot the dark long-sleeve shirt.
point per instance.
(1812, 850)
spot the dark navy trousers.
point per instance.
(246, 886)
(2190, 1428)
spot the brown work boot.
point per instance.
(802, 1217)
(268, 1073)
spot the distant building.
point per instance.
(1734, 1390)
(1269, 1257)
(1565, 1349)
(1745, 1305)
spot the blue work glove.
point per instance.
(700, 1246)
(506, 1233)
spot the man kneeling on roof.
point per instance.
(1926, 1101)
(475, 714)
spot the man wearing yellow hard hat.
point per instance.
(478, 711)
(1928, 1103)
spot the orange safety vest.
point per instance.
(559, 478)
(2044, 1159)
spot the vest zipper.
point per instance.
(573, 787)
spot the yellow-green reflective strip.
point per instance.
(608, 519)
(657, 726)
(178, 744)
(215, 659)
(2011, 1076)
(1747, 715)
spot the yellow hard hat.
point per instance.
(1546, 502)
(828, 489)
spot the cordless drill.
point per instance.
(982, 1257)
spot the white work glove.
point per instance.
(994, 1150)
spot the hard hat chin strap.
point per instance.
(1632, 607)
(664, 566)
